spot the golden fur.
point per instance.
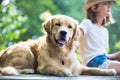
(53, 53)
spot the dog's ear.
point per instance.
(48, 25)
(76, 33)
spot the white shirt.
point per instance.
(94, 41)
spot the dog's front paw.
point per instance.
(65, 72)
(24, 71)
(9, 71)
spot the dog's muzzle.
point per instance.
(62, 38)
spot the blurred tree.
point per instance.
(0, 1)
(33, 9)
(117, 46)
(71, 8)
(114, 29)
(11, 22)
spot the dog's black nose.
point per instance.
(63, 33)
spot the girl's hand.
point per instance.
(118, 55)
(77, 44)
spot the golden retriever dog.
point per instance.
(53, 53)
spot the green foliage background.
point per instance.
(21, 20)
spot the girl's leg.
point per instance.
(115, 65)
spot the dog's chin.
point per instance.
(61, 43)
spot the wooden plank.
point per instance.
(48, 77)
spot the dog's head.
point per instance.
(62, 28)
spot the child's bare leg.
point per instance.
(115, 65)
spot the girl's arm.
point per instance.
(115, 56)
(81, 32)
(77, 43)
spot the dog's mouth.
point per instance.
(61, 42)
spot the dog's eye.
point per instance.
(70, 26)
(57, 24)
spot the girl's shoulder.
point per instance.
(105, 29)
(86, 25)
(86, 21)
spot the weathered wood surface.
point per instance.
(44, 77)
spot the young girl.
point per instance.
(94, 36)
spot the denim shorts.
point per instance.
(101, 61)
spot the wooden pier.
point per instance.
(49, 77)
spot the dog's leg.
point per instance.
(52, 70)
(97, 71)
(13, 71)
(17, 66)
(17, 60)
(24, 71)
(9, 71)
